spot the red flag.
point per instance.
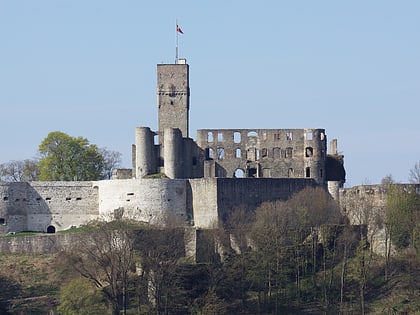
(178, 29)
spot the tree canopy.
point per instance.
(65, 158)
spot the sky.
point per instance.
(88, 68)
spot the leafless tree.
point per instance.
(105, 255)
(19, 171)
(414, 176)
(112, 160)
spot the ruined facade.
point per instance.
(195, 183)
(226, 153)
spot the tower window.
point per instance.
(309, 136)
(276, 153)
(309, 151)
(308, 172)
(289, 136)
(264, 152)
(210, 137)
(289, 153)
(237, 137)
(220, 153)
(220, 137)
(209, 154)
(238, 153)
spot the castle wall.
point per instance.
(204, 202)
(36, 206)
(249, 194)
(155, 201)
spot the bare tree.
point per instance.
(105, 255)
(414, 176)
(19, 171)
(112, 160)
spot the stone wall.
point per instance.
(249, 193)
(149, 200)
(37, 206)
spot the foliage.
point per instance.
(80, 296)
(403, 215)
(65, 158)
(19, 171)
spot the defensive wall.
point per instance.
(201, 203)
(366, 205)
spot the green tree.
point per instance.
(65, 158)
(80, 296)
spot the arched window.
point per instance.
(239, 173)
(220, 153)
(237, 137)
(238, 153)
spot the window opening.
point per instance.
(276, 153)
(308, 172)
(161, 162)
(309, 135)
(238, 153)
(289, 153)
(309, 151)
(252, 172)
(290, 172)
(276, 136)
(2, 221)
(264, 136)
(210, 137)
(239, 173)
(264, 152)
(252, 134)
(237, 137)
(209, 154)
(322, 136)
(220, 153)
(289, 136)
(220, 137)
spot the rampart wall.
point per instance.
(37, 206)
(149, 200)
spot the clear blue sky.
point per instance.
(88, 68)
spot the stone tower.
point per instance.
(173, 97)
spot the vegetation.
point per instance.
(63, 158)
(293, 257)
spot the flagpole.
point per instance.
(176, 50)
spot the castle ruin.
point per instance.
(193, 183)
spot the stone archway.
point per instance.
(51, 229)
